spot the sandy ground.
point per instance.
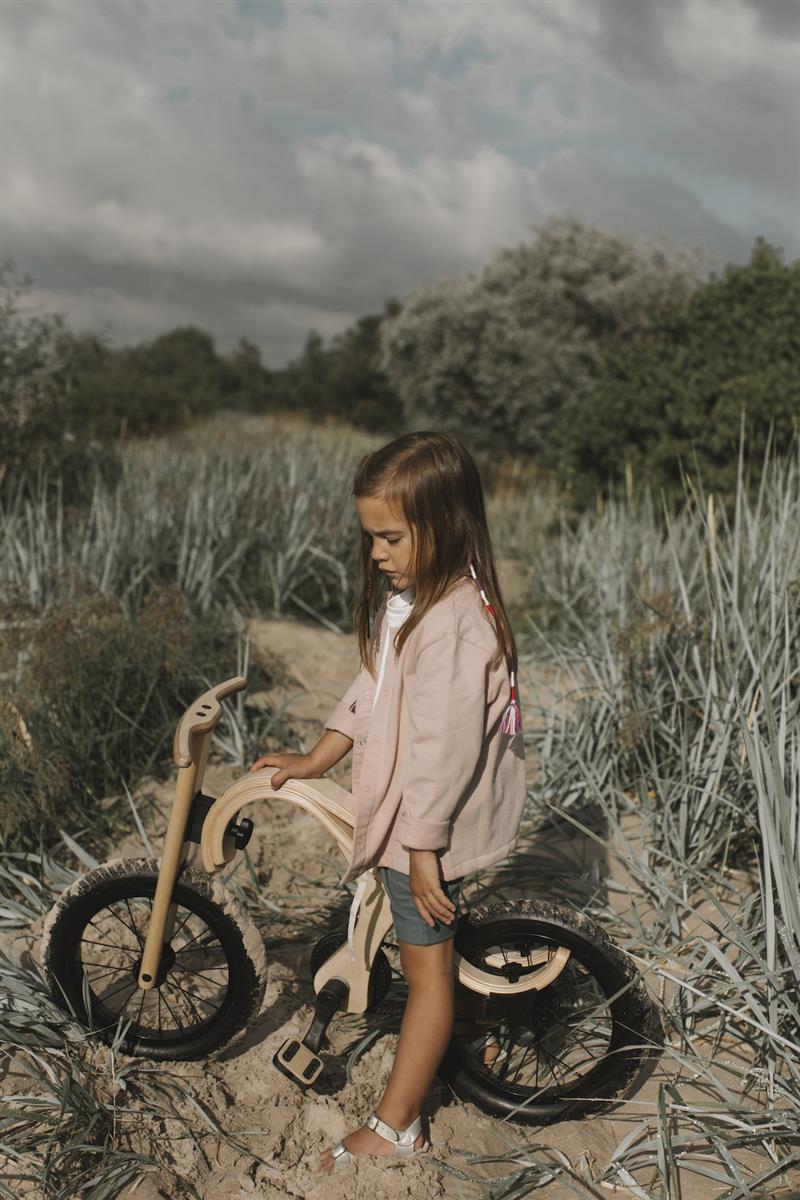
(247, 1093)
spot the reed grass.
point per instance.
(667, 805)
(267, 526)
(80, 1122)
(91, 707)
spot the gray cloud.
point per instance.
(777, 18)
(259, 170)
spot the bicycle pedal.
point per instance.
(298, 1063)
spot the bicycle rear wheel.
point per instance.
(570, 1048)
(212, 976)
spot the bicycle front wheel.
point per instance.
(211, 979)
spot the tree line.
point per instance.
(599, 358)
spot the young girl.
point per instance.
(438, 754)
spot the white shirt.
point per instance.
(398, 608)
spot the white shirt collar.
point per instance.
(399, 605)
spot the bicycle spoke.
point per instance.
(113, 912)
(193, 990)
(133, 921)
(106, 969)
(89, 963)
(168, 1006)
(200, 998)
(198, 971)
(109, 946)
(185, 947)
(132, 984)
(141, 1006)
(198, 1019)
(185, 920)
(569, 1027)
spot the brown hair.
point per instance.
(431, 478)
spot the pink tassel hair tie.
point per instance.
(512, 717)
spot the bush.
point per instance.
(506, 355)
(97, 704)
(674, 399)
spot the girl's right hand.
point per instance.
(291, 766)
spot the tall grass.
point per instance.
(678, 757)
(267, 527)
(261, 519)
(80, 1122)
(91, 707)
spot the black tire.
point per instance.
(380, 976)
(552, 1030)
(227, 969)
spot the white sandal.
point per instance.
(402, 1139)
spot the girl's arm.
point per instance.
(425, 885)
(343, 717)
(330, 748)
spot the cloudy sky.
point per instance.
(261, 167)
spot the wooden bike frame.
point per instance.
(334, 808)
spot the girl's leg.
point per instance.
(425, 1033)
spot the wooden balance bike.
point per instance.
(160, 956)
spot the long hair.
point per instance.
(431, 478)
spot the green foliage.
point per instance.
(83, 1119)
(343, 380)
(246, 384)
(66, 397)
(666, 622)
(150, 388)
(97, 702)
(38, 358)
(673, 398)
(674, 755)
(365, 396)
(505, 355)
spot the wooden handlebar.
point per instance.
(201, 717)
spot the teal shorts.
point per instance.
(408, 924)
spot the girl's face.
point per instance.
(392, 540)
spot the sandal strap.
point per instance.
(402, 1139)
(341, 1156)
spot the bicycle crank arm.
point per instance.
(297, 1059)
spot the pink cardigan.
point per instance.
(431, 768)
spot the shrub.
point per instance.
(97, 704)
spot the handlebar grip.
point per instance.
(201, 717)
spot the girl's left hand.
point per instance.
(425, 885)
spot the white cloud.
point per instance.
(166, 158)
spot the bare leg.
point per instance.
(470, 1005)
(425, 1033)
